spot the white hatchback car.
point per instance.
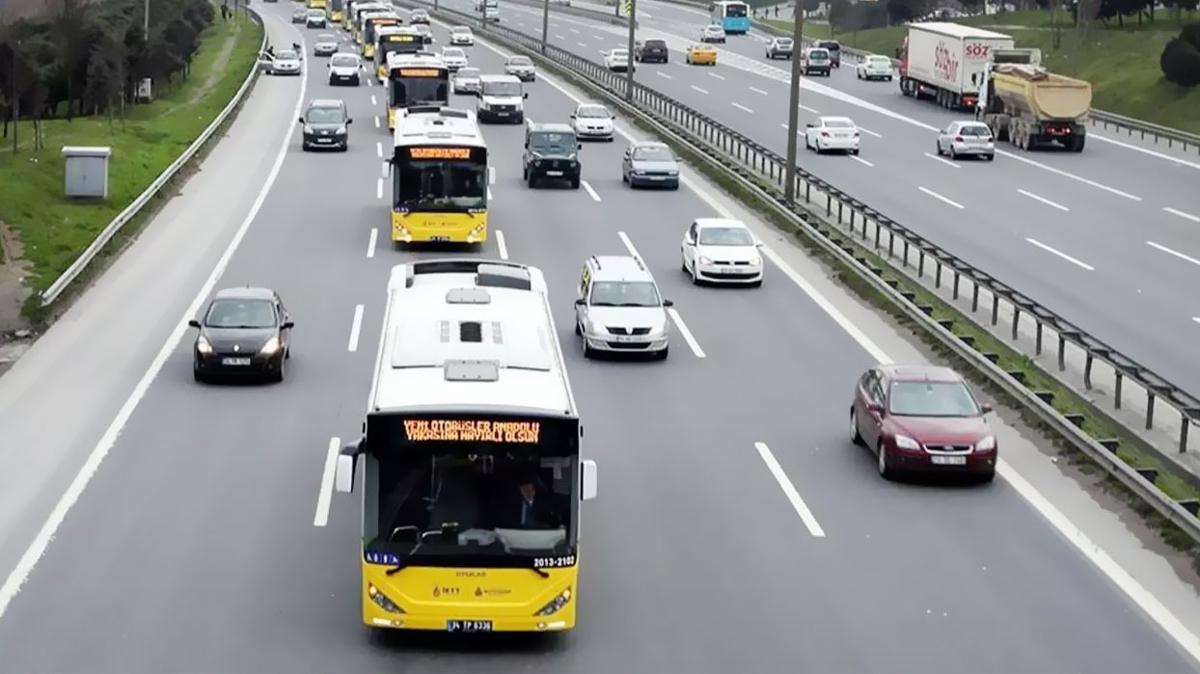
(832, 133)
(967, 138)
(720, 250)
(874, 67)
(617, 59)
(592, 120)
(461, 36)
(713, 33)
(454, 58)
(466, 81)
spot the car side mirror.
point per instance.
(580, 302)
(301, 120)
(579, 146)
(758, 244)
(572, 115)
(668, 303)
(525, 95)
(288, 325)
(587, 480)
(328, 66)
(873, 406)
(986, 408)
(350, 120)
(343, 476)
(526, 145)
(808, 126)
(689, 241)
(193, 323)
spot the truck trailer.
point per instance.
(947, 62)
(1030, 106)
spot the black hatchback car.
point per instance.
(244, 332)
(551, 153)
(650, 51)
(326, 124)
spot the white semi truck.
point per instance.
(948, 62)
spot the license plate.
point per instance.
(324, 140)
(502, 114)
(948, 460)
(468, 626)
(729, 270)
(658, 177)
(439, 238)
(553, 173)
(235, 361)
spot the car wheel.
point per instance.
(577, 330)
(885, 469)
(939, 148)
(953, 154)
(682, 262)
(199, 376)
(532, 181)
(587, 350)
(662, 355)
(988, 477)
(855, 436)
(279, 374)
(695, 275)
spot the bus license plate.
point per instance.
(439, 238)
(468, 626)
(235, 361)
(949, 460)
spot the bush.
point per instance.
(1180, 62)
(1191, 35)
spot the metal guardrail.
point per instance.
(724, 147)
(50, 294)
(562, 8)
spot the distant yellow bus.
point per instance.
(415, 79)
(371, 24)
(335, 10)
(355, 17)
(394, 40)
(439, 177)
(316, 4)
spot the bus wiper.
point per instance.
(538, 571)
(407, 560)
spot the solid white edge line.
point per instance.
(628, 245)
(37, 547)
(379, 188)
(939, 197)
(1186, 216)
(325, 495)
(355, 329)
(372, 242)
(687, 334)
(1170, 251)
(1044, 200)
(591, 192)
(501, 245)
(1061, 254)
(945, 161)
(739, 106)
(789, 490)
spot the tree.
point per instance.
(1180, 62)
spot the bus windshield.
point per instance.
(735, 10)
(405, 91)
(448, 185)
(390, 46)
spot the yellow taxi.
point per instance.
(702, 54)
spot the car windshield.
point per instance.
(286, 55)
(593, 112)
(453, 52)
(656, 44)
(624, 294)
(406, 91)
(725, 236)
(818, 54)
(975, 130)
(879, 61)
(468, 73)
(519, 61)
(931, 399)
(501, 88)
(831, 46)
(316, 13)
(324, 115)
(552, 141)
(784, 42)
(839, 124)
(653, 154)
(344, 61)
(623, 53)
(231, 313)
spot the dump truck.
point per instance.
(947, 62)
(1030, 106)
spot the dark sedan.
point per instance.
(922, 418)
(245, 333)
(326, 124)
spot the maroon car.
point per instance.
(922, 418)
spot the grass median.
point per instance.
(54, 230)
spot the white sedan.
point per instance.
(462, 36)
(720, 250)
(617, 59)
(592, 120)
(713, 33)
(454, 58)
(874, 67)
(466, 81)
(831, 133)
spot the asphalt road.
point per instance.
(193, 547)
(1108, 238)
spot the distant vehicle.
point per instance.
(520, 67)
(617, 60)
(651, 51)
(712, 33)
(720, 250)
(701, 54)
(325, 45)
(326, 124)
(650, 163)
(592, 120)
(962, 139)
(424, 31)
(420, 79)
(501, 99)
(731, 15)
(419, 16)
(1030, 106)
(835, 51)
(462, 36)
(244, 332)
(454, 58)
(922, 418)
(286, 62)
(832, 133)
(299, 15)
(345, 68)
(815, 60)
(780, 47)
(466, 81)
(948, 62)
(315, 18)
(619, 309)
(489, 8)
(874, 67)
(551, 153)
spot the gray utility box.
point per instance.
(87, 171)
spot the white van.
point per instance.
(501, 99)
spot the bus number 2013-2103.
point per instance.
(553, 562)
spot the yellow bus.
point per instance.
(371, 24)
(394, 40)
(335, 10)
(356, 17)
(418, 78)
(471, 470)
(315, 4)
(439, 169)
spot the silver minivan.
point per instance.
(619, 309)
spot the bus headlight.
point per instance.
(381, 600)
(556, 604)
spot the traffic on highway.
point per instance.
(430, 293)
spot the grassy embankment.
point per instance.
(1121, 63)
(53, 229)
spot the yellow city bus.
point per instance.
(315, 4)
(335, 10)
(356, 17)
(450, 455)
(439, 171)
(394, 40)
(371, 24)
(415, 79)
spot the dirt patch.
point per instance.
(13, 269)
(213, 77)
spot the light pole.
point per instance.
(146, 21)
(545, 23)
(629, 57)
(789, 185)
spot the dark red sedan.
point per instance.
(922, 418)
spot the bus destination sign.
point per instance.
(440, 152)
(400, 37)
(420, 72)
(472, 430)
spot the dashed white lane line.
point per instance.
(939, 197)
(355, 329)
(812, 110)
(374, 239)
(1176, 253)
(687, 334)
(1196, 319)
(560, 37)
(1072, 176)
(376, 121)
(759, 91)
(379, 149)
(1186, 216)
(662, 74)
(703, 91)
(581, 44)
(870, 132)
(383, 169)
(789, 490)
(945, 161)
(370, 82)
(720, 77)
(591, 192)
(1059, 253)
(325, 495)
(373, 101)
(628, 245)
(861, 160)
(379, 188)
(501, 245)
(741, 107)
(1044, 200)
(575, 31)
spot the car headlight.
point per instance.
(595, 328)
(905, 442)
(381, 600)
(555, 605)
(203, 345)
(673, 172)
(341, 131)
(986, 445)
(756, 261)
(270, 347)
(308, 129)
(705, 260)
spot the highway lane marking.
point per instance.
(699, 89)
(383, 169)
(370, 82)
(355, 328)
(591, 192)
(376, 121)
(379, 149)
(785, 126)
(939, 197)
(379, 188)
(1072, 176)
(759, 91)
(374, 239)
(581, 44)
(1061, 254)
(720, 77)
(491, 175)
(662, 74)
(500, 244)
(41, 541)
(1044, 200)
(577, 32)
(373, 101)
(1176, 253)
(869, 132)
(945, 161)
(489, 189)
(597, 37)
(687, 334)
(1143, 150)
(812, 110)
(789, 490)
(1187, 216)
(325, 493)
(628, 245)
(861, 160)
(559, 37)
(742, 107)
(1196, 319)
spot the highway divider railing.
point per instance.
(565, 8)
(52, 293)
(1134, 387)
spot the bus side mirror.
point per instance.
(587, 480)
(344, 472)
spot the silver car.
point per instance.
(286, 62)
(961, 139)
(325, 45)
(650, 164)
(466, 81)
(520, 67)
(713, 33)
(299, 15)
(315, 18)
(618, 308)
